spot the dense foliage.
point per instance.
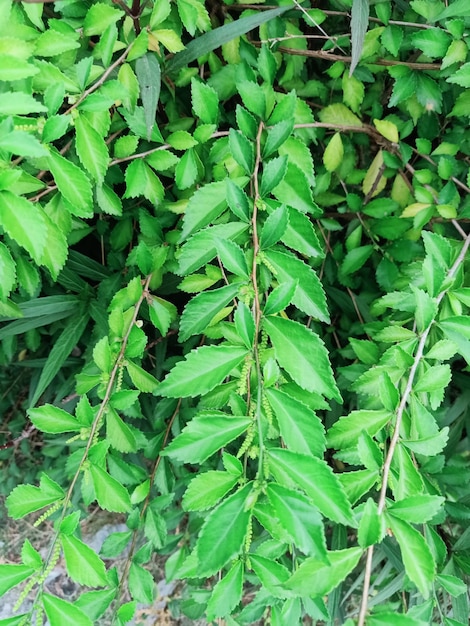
(235, 305)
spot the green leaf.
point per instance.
(315, 578)
(99, 16)
(309, 296)
(301, 236)
(72, 183)
(201, 309)
(294, 189)
(205, 102)
(453, 585)
(141, 584)
(223, 534)
(62, 613)
(417, 557)
(242, 150)
(63, 346)
(95, 603)
(417, 509)
(354, 260)
(339, 114)
(143, 380)
(51, 419)
(141, 180)
(118, 433)
(359, 24)
(271, 574)
(227, 593)
(83, 565)
(303, 355)
(205, 490)
(436, 378)
(274, 171)
(203, 44)
(26, 499)
(19, 103)
(110, 494)
(22, 143)
(371, 526)
(24, 222)
(245, 324)
(347, 430)
(204, 435)
(277, 135)
(147, 69)
(253, 97)
(274, 227)
(12, 575)
(334, 152)
(280, 297)
(300, 428)
(7, 272)
(300, 518)
(434, 42)
(316, 478)
(206, 204)
(91, 149)
(393, 619)
(201, 371)
(237, 201)
(232, 257)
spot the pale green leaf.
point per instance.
(435, 378)
(205, 102)
(143, 380)
(141, 180)
(334, 152)
(19, 103)
(303, 355)
(316, 478)
(301, 430)
(52, 42)
(339, 114)
(26, 499)
(223, 534)
(204, 435)
(453, 585)
(83, 565)
(271, 574)
(280, 297)
(316, 578)
(99, 16)
(201, 371)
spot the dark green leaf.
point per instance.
(201, 309)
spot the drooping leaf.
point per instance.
(316, 478)
(110, 494)
(223, 533)
(201, 309)
(371, 525)
(83, 564)
(227, 593)
(26, 499)
(12, 575)
(205, 490)
(91, 149)
(316, 578)
(24, 223)
(303, 355)
(300, 428)
(204, 435)
(300, 519)
(62, 613)
(359, 23)
(309, 296)
(417, 557)
(201, 371)
(72, 183)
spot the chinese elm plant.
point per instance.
(234, 307)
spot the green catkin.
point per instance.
(243, 382)
(40, 616)
(249, 536)
(267, 410)
(250, 435)
(30, 584)
(120, 375)
(52, 563)
(52, 509)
